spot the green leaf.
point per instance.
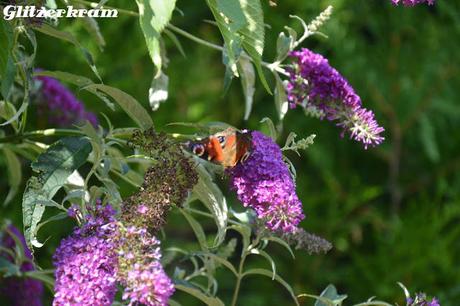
(130, 105)
(281, 101)
(241, 23)
(158, 91)
(234, 14)
(208, 300)
(281, 242)
(330, 293)
(232, 40)
(13, 165)
(245, 232)
(273, 133)
(69, 37)
(268, 257)
(248, 81)
(219, 259)
(67, 77)
(211, 196)
(254, 35)
(153, 17)
(7, 66)
(80, 81)
(92, 27)
(197, 229)
(268, 273)
(7, 111)
(283, 46)
(53, 167)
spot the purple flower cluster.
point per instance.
(412, 2)
(141, 272)
(263, 182)
(86, 263)
(103, 253)
(313, 83)
(19, 291)
(421, 300)
(60, 105)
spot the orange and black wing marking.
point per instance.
(226, 148)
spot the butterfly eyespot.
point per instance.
(245, 157)
(198, 149)
(221, 139)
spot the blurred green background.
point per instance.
(392, 212)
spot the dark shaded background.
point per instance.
(391, 212)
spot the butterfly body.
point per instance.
(226, 148)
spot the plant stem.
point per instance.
(40, 134)
(47, 133)
(239, 277)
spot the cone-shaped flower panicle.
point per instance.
(314, 84)
(264, 183)
(168, 182)
(59, 104)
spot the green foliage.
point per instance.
(153, 17)
(53, 169)
(7, 67)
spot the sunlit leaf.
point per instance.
(153, 17)
(158, 91)
(254, 35)
(232, 40)
(53, 167)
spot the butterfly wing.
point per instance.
(226, 148)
